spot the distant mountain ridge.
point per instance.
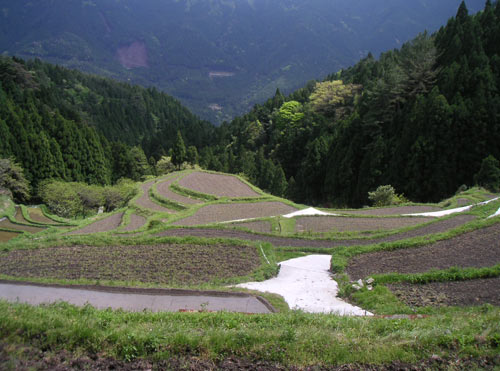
(218, 57)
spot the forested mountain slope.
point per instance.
(67, 125)
(421, 118)
(218, 57)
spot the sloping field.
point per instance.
(146, 202)
(217, 185)
(6, 236)
(6, 223)
(235, 211)
(37, 215)
(103, 225)
(345, 224)
(181, 264)
(163, 189)
(20, 217)
(437, 227)
(479, 248)
(391, 210)
(259, 226)
(136, 222)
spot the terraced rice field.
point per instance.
(259, 226)
(348, 224)
(103, 225)
(479, 248)
(146, 202)
(37, 215)
(7, 236)
(217, 185)
(235, 211)
(390, 210)
(136, 222)
(163, 189)
(7, 224)
(165, 264)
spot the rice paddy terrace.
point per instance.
(199, 232)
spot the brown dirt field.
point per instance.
(163, 189)
(470, 292)
(20, 217)
(390, 210)
(235, 211)
(479, 248)
(163, 264)
(147, 203)
(37, 215)
(103, 225)
(348, 224)
(7, 224)
(7, 236)
(463, 202)
(136, 222)
(437, 227)
(217, 185)
(260, 226)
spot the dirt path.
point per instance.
(164, 190)
(103, 225)
(217, 185)
(470, 292)
(147, 203)
(479, 248)
(235, 211)
(436, 227)
(137, 300)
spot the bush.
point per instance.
(489, 174)
(12, 179)
(385, 195)
(61, 198)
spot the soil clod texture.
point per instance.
(235, 211)
(163, 264)
(217, 185)
(136, 222)
(398, 210)
(163, 189)
(146, 202)
(455, 293)
(103, 225)
(479, 248)
(348, 224)
(439, 226)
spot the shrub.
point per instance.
(61, 198)
(385, 195)
(12, 179)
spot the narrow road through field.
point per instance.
(156, 300)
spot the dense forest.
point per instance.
(421, 118)
(63, 124)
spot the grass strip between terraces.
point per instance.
(289, 339)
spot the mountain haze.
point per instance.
(218, 57)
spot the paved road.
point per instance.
(132, 300)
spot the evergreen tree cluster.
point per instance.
(421, 118)
(63, 124)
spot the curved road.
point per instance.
(156, 300)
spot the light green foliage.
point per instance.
(61, 198)
(12, 178)
(164, 165)
(384, 195)
(333, 97)
(289, 114)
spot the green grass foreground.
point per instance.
(291, 339)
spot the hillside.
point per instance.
(218, 57)
(422, 118)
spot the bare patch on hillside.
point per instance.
(133, 55)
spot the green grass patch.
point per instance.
(7, 207)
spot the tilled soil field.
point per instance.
(103, 225)
(259, 226)
(6, 223)
(437, 227)
(136, 222)
(391, 210)
(7, 236)
(20, 217)
(348, 224)
(235, 211)
(166, 264)
(147, 203)
(163, 189)
(479, 248)
(37, 215)
(470, 292)
(217, 185)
